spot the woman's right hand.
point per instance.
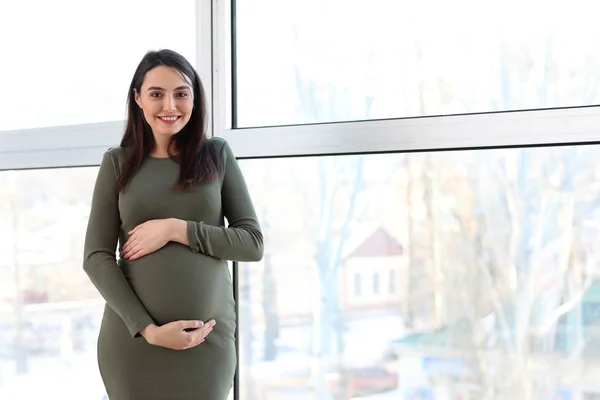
(178, 335)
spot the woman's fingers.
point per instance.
(132, 242)
(194, 338)
(182, 335)
(191, 325)
(211, 323)
(208, 327)
(137, 253)
(132, 250)
(198, 336)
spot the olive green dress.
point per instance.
(176, 282)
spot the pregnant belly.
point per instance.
(175, 283)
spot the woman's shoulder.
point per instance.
(115, 151)
(217, 143)
(222, 147)
(116, 154)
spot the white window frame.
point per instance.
(83, 145)
(576, 125)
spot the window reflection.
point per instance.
(463, 275)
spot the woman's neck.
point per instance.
(161, 150)
(158, 152)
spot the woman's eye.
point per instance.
(182, 94)
(155, 94)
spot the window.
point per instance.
(301, 62)
(500, 243)
(357, 285)
(76, 59)
(50, 312)
(476, 241)
(376, 284)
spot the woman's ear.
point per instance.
(137, 98)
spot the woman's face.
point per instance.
(166, 99)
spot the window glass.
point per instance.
(68, 62)
(312, 61)
(50, 312)
(494, 259)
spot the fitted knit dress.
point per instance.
(177, 282)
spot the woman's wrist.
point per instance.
(148, 332)
(178, 231)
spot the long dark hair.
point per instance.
(197, 159)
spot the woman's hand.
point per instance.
(148, 237)
(178, 335)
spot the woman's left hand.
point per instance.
(147, 238)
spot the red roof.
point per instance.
(379, 244)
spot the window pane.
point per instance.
(50, 313)
(357, 283)
(375, 284)
(70, 62)
(494, 260)
(340, 60)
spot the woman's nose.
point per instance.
(169, 104)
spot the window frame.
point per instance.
(519, 128)
(83, 145)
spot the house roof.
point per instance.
(377, 243)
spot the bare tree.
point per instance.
(339, 181)
(524, 230)
(335, 210)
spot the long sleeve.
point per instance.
(242, 239)
(99, 260)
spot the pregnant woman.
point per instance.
(168, 327)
